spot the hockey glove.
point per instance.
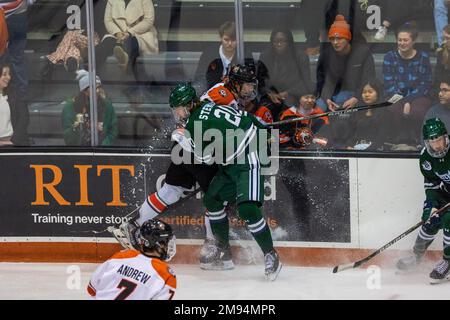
(434, 219)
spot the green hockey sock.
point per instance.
(251, 214)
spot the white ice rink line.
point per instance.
(68, 281)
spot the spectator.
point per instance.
(441, 110)
(131, 31)
(407, 71)
(356, 13)
(76, 116)
(440, 18)
(343, 70)
(398, 12)
(17, 21)
(369, 131)
(4, 35)
(306, 107)
(72, 49)
(313, 18)
(442, 68)
(13, 112)
(214, 65)
(283, 72)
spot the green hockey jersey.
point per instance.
(221, 134)
(436, 172)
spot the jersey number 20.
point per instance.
(230, 114)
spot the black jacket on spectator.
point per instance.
(20, 118)
(282, 73)
(337, 73)
(210, 68)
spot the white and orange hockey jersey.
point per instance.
(129, 275)
(220, 95)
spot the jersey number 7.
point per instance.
(127, 289)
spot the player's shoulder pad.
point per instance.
(125, 254)
(165, 272)
(425, 160)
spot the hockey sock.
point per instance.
(423, 241)
(219, 226)
(251, 214)
(209, 233)
(156, 203)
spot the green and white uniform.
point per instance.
(234, 147)
(229, 137)
(436, 172)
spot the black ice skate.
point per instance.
(273, 265)
(441, 272)
(408, 263)
(216, 258)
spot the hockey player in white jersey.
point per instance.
(139, 275)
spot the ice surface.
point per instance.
(50, 281)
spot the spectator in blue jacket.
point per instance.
(407, 71)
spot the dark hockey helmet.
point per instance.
(240, 74)
(156, 236)
(434, 129)
(181, 95)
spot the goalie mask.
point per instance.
(243, 82)
(156, 236)
(303, 136)
(436, 138)
(182, 100)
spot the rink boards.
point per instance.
(321, 210)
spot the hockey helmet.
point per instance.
(156, 235)
(434, 129)
(181, 95)
(240, 74)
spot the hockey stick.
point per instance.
(395, 98)
(390, 243)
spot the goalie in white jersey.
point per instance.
(139, 275)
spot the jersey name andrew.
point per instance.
(132, 273)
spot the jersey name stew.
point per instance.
(220, 133)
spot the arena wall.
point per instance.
(322, 210)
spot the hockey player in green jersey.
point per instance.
(229, 137)
(435, 167)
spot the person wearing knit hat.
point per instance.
(76, 115)
(342, 71)
(83, 78)
(340, 29)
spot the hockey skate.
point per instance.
(124, 233)
(216, 258)
(273, 265)
(441, 272)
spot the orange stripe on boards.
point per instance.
(188, 254)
